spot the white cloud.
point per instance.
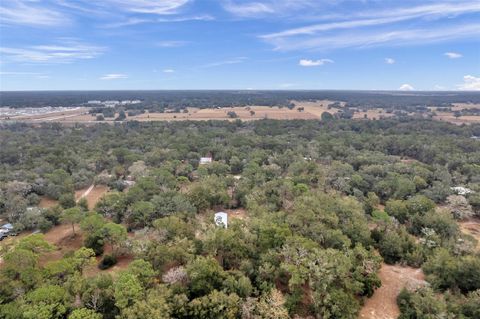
(247, 9)
(406, 87)
(158, 7)
(171, 44)
(470, 83)
(453, 55)
(389, 61)
(150, 6)
(439, 87)
(15, 73)
(306, 62)
(126, 23)
(256, 8)
(168, 71)
(382, 17)
(371, 38)
(236, 60)
(31, 13)
(203, 17)
(114, 76)
(364, 29)
(66, 52)
(287, 85)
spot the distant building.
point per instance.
(205, 160)
(221, 219)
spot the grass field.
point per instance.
(305, 110)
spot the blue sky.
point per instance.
(239, 44)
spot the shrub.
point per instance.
(380, 215)
(96, 243)
(107, 262)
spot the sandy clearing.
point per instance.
(62, 237)
(92, 194)
(383, 303)
(46, 202)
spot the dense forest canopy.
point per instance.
(324, 202)
(154, 100)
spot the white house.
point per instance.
(221, 219)
(459, 190)
(205, 160)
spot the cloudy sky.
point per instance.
(240, 44)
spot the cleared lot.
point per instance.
(383, 303)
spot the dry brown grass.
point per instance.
(372, 114)
(465, 106)
(449, 117)
(312, 110)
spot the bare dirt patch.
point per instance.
(383, 303)
(46, 202)
(471, 227)
(62, 237)
(92, 194)
(239, 213)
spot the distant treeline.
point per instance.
(178, 100)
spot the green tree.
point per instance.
(115, 235)
(47, 302)
(128, 289)
(215, 305)
(155, 305)
(205, 275)
(84, 313)
(67, 200)
(73, 216)
(140, 214)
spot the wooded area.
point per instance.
(322, 204)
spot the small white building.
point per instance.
(205, 160)
(459, 190)
(221, 219)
